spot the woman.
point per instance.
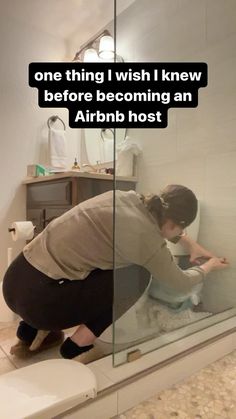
(64, 276)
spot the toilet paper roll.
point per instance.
(22, 230)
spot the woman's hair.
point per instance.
(175, 202)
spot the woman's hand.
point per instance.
(215, 264)
(194, 249)
(198, 251)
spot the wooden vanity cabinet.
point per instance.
(48, 199)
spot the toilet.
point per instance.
(45, 389)
(126, 327)
(178, 301)
(192, 231)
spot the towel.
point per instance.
(108, 150)
(57, 148)
(125, 157)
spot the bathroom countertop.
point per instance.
(74, 173)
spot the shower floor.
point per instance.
(149, 318)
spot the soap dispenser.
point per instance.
(75, 165)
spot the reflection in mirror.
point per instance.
(100, 144)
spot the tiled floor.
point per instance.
(209, 394)
(9, 362)
(7, 331)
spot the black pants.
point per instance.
(49, 304)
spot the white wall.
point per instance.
(198, 149)
(74, 43)
(24, 132)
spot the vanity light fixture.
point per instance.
(106, 47)
(100, 48)
(90, 55)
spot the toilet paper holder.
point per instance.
(13, 230)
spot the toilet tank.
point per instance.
(192, 231)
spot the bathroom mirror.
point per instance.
(99, 144)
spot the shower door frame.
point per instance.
(185, 338)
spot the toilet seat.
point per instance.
(45, 389)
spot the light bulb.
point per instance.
(106, 47)
(90, 55)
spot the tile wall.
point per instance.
(198, 149)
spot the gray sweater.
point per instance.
(81, 240)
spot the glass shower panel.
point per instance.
(195, 150)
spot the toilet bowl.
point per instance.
(126, 328)
(179, 300)
(192, 231)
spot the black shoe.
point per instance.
(70, 350)
(26, 333)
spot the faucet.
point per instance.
(95, 169)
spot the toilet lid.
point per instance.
(45, 389)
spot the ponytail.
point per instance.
(155, 206)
